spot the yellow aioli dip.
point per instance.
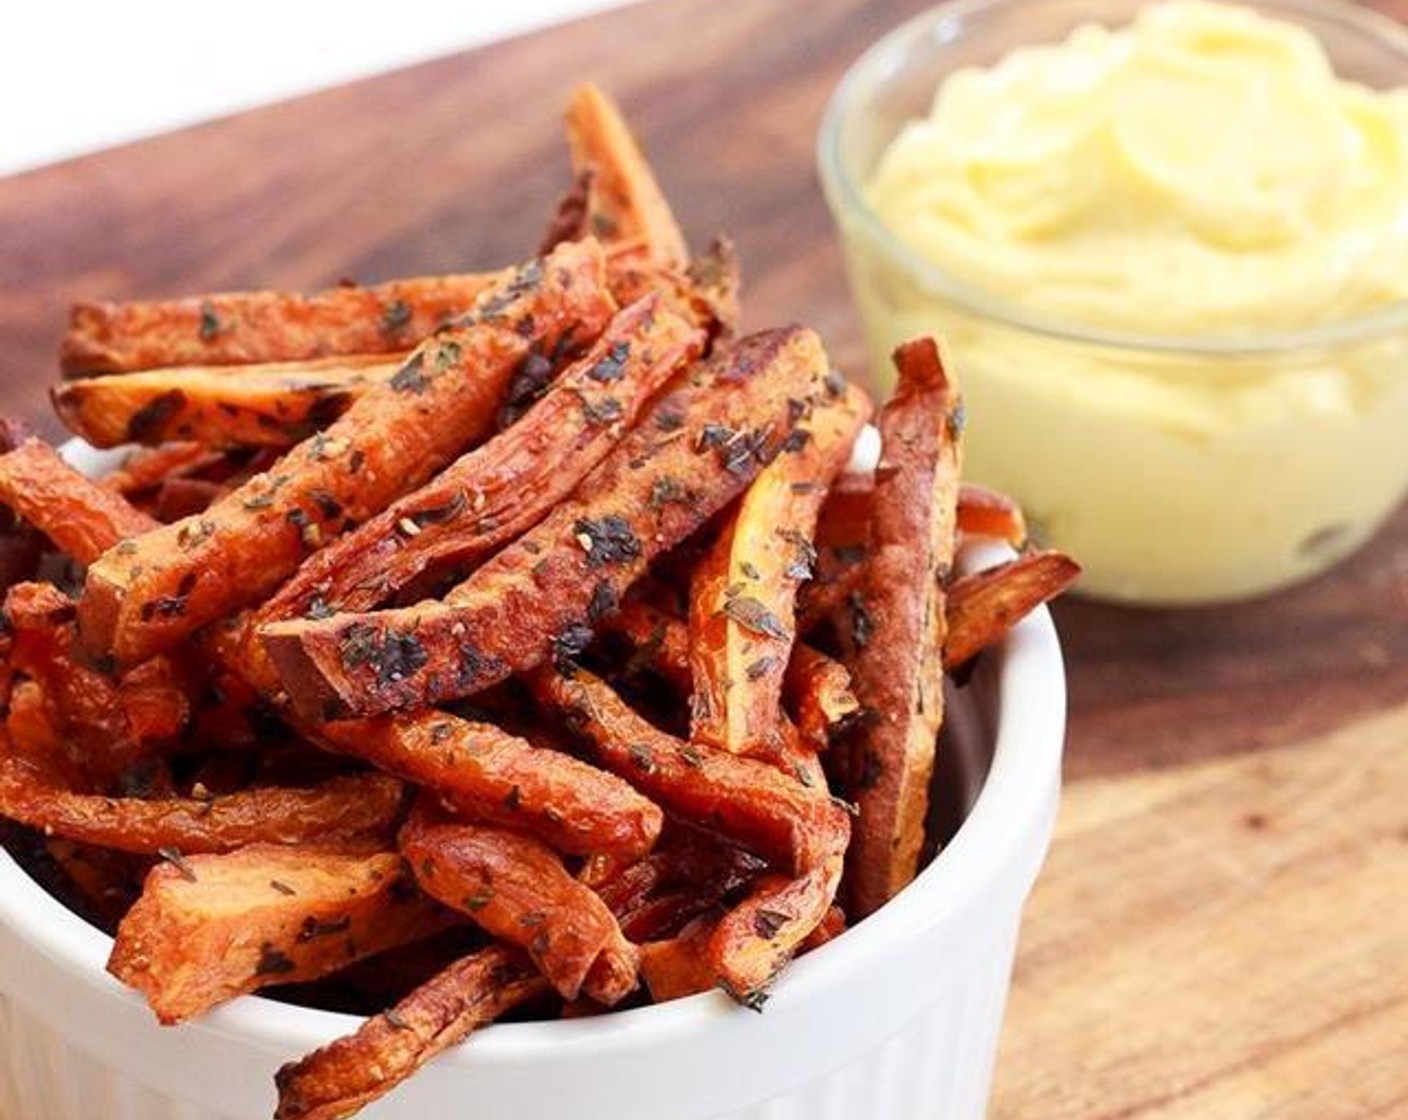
(1202, 172)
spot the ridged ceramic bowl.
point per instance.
(898, 1019)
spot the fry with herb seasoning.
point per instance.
(676, 967)
(146, 468)
(741, 619)
(516, 889)
(146, 598)
(700, 446)
(984, 606)
(491, 495)
(275, 405)
(898, 658)
(352, 1072)
(210, 927)
(483, 771)
(242, 328)
(348, 809)
(984, 512)
(80, 516)
(751, 803)
(623, 203)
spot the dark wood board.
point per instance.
(1216, 934)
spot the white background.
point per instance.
(76, 76)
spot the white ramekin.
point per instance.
(896, 1020)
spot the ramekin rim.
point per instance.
(846, 199)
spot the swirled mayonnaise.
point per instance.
(1201, 172)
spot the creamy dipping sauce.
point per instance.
(1201, 172)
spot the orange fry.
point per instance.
(146, 596)
(239, 328)
(898, 659)
(516, 888)
(983, 606)
(354, 808)
(210, 927)
(349, 1074)
(80, 516)
(274, 405)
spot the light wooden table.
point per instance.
(1222, 929)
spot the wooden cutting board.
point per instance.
(1222, 929)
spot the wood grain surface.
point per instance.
(1222, 930)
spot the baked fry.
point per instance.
(818, 688)
(749, 802)
(147, 468)
(274, 405)
(753, 942)
(624, 203)
(242, 328)
(491, 775)
(898, 667)
(516, 889)
(145, 597)
(539, 597)
(983, 606)
(83, 707)
(343, 809)
(741, 620)
(79, 515)
(983, 512)
(677, 967)
(210, 927)
(349, 1074)
(494, 493)
(815, 686)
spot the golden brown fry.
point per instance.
(274, 405)
(210, 927)
(496, 777)
(539, 597)
(147, 468)
(749, 802)
(516, 888)
(753, 942)
(983, 606)
(342, 809)
(677, 967)
(79, 515)
(819, 690)
(146, 596)
(504, 487)
(898, 667)
(741, 619)
(624, 203)
(983, 512)
(815, 686)
(349, 1074)
(240, 328)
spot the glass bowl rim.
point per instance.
(847, 200)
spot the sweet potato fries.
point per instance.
(522, 635)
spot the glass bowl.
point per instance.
(1177, 469)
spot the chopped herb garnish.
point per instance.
(608, 540)
(312, 928)
(282, 887)
(768, 923)
(174, 857)
(752, 615)
(209, 321)
(610, 367)
(395, 316)
(411, 378)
